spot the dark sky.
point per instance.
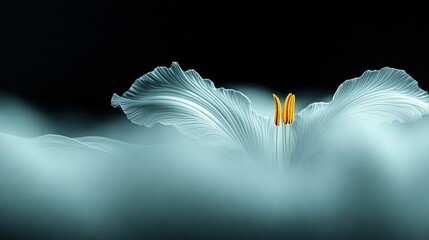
(73, 54)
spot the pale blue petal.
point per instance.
(385, 95)
(89, 143)
(193, 105)
(52, 145)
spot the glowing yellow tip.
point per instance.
(285, 116)
(277, 110)
(289, 109)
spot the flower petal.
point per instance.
(385, 95)
(171, 96)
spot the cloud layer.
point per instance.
(134, 182)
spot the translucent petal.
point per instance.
(385, 95)
(53, 146)
(183, 99)
(89, 143)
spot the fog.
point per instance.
(116, 180)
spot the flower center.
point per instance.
(288, 112)
(283, 137)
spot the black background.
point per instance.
(74, 54)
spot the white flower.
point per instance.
(224, 117)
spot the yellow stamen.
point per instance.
(286, 113)
(277, 110)
(291, 108)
